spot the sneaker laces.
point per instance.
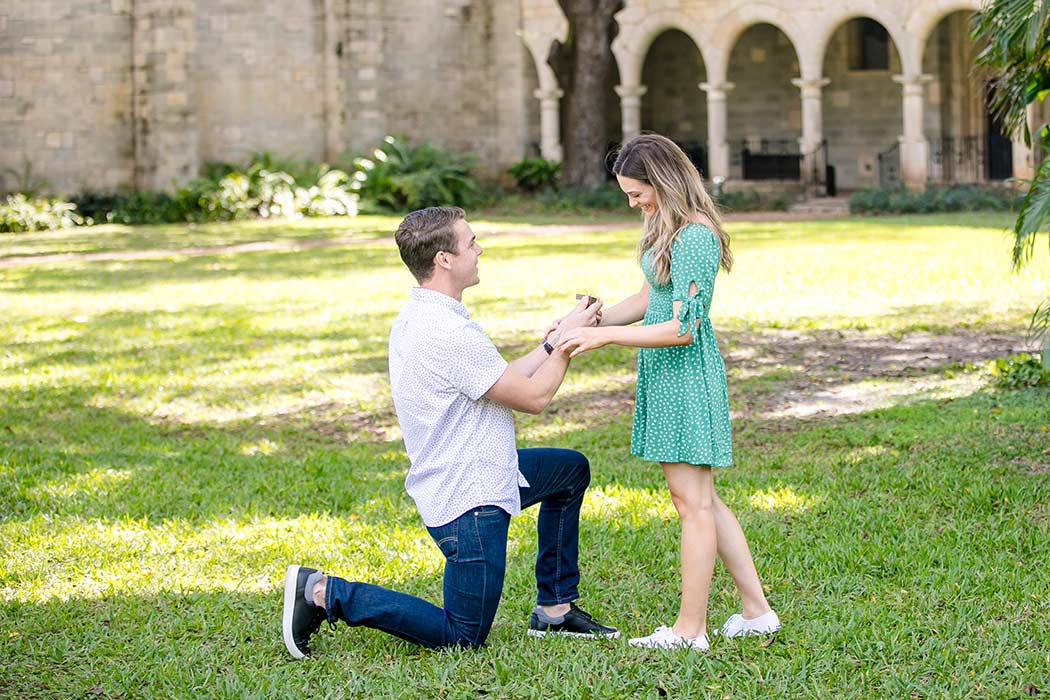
(581, 612)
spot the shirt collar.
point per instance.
(429, 296)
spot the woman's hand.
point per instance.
(579, 340)
(590, 315)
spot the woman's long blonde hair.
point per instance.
(656, 160)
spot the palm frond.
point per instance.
(1033, 217)
(1039, 326)
(1017, 52)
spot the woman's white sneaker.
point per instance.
(665, 638)
(739, 626)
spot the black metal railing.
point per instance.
(890, 166)
(768, 159)
(697, 153)
(821, 172)
(957, 159)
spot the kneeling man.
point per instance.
(454, 396)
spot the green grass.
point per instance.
(175, 429)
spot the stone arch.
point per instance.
(928, 15)
(545, 74)
(898, 36)
(673, 104)
(966, 139)
(531, 80)
(735, 23)
(863, 112)
(632, 47)
(764, 109)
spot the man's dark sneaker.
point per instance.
(575, 623)
(300, 619)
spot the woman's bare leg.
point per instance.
(692, 492)
(735, 554)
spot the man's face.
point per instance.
(465, 259)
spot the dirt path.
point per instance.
(795, 374)
(828, 373)
(279, 245)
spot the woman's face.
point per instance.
(639, 194)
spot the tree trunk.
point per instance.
(583, 68)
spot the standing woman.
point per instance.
(681, 413)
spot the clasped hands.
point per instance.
(577, 331)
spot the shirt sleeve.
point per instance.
(694, 260)
(473, 362)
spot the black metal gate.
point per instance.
(1000, 151)
(771, 160)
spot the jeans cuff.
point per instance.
(555, 601)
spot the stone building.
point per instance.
(99, 94)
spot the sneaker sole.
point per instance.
(556, 633)
(291, 578)
(637, 644)
(749, 633)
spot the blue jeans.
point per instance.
(475, 550)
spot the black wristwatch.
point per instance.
(547, 346)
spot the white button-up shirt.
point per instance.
(460, 445)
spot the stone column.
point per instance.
(550, 130)
(332, 96)
(631, 108)
(365, 118)
(913, 145)
(812, 127)
(166, 130)
(1024, 155)
(717, 143)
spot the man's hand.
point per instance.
(581, 315)
(579, 340)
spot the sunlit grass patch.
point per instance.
(176, 429)
(783, 500)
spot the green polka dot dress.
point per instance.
(681, 410)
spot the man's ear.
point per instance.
(441, 259)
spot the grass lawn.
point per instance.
(178, 425)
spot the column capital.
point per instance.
(913, 83)
(627, 92)
(716, 91)
(554, 94)
(810, 84)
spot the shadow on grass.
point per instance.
(258, 267)
(66, 456)
(884, 538)
(118, 238)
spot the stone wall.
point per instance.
(65, 93)
(450, 71)
(99, 94)
(258, 79)
(763, 104)
(104, 93)
(862, 114)
(674, 104)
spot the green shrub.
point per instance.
(753, 201)
(131, 207)
(535, 174)
(400, 177)
(604, 197)
(898, 200)
(261, 192)
(1019, 372)
(225, 192)
(19, 213)
(24, 180)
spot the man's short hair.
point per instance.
(425, 232)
